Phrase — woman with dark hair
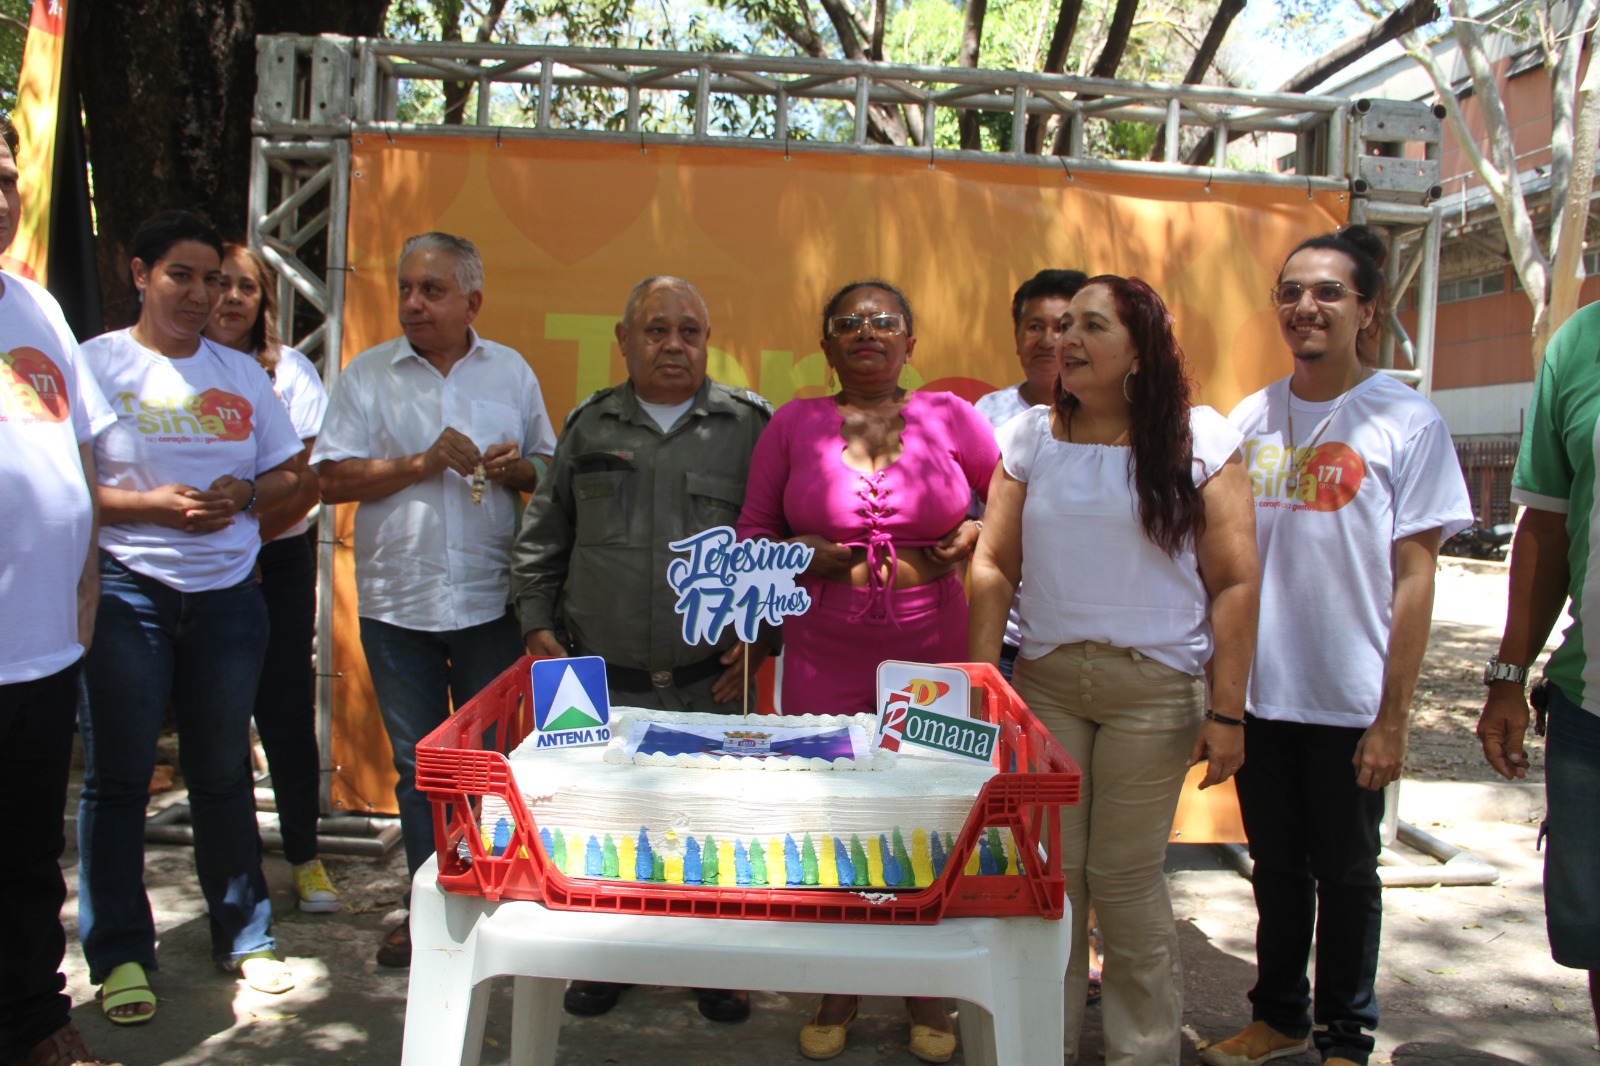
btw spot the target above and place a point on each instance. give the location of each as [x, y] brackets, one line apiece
[1124, 512]
[878, 480]
[285, 711]
[1357, 485]
[199, 445]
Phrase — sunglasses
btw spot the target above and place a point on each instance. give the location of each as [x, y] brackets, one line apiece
[1289, 293]
[880, 323]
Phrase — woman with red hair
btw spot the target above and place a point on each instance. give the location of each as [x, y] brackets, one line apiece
[1124, 512]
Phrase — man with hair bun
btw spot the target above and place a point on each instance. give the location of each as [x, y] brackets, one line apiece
[434, 433]
[1356, 485]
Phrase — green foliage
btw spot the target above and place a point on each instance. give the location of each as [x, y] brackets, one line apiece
[14, 16]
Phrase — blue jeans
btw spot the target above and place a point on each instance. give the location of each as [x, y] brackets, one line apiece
[35, 753]
[201, 653]
[285, 710]
[417, 676]
[1572, 850]
[1314, 837]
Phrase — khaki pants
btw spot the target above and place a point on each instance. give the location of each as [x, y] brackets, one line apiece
[1129, 722]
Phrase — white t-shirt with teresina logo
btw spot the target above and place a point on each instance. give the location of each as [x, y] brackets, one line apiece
[49, 406]
[188, 422]
[1359, 472]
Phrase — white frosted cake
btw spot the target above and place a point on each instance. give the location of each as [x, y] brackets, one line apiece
[876, 820]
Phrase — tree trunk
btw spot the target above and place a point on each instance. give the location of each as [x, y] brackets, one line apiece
[1227, 11]
[1055, 61]
[971, 43]
[177, 134]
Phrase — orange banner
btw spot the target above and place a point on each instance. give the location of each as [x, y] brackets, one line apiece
[567, 228]
[38, 104]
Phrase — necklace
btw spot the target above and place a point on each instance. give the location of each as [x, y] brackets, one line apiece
[1292, 482]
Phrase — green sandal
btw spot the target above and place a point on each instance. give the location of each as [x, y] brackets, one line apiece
[127, 988]
[263, 971]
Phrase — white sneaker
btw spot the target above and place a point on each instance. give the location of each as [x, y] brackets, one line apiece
[316, 892]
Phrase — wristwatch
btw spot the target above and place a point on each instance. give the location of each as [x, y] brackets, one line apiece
[1495, 670]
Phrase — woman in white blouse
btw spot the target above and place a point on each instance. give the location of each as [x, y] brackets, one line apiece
[1125, 513]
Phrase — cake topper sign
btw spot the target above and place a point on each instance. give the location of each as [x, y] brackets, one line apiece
[743, 583]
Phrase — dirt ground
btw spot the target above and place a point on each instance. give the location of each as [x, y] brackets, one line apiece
[1469, 613]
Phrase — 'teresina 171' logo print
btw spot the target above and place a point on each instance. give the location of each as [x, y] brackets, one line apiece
[32, 387]
[212, 415]
[1323, 477]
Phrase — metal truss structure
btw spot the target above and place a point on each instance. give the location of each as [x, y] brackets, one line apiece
[316, 93]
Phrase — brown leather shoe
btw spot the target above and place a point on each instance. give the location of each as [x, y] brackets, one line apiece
[395, 951]
[1258, 1043]
[64, 1047]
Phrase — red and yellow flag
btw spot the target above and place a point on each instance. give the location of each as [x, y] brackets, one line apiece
[38, 105]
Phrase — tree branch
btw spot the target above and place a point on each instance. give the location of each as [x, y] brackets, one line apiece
[971, 43]
[1055, 61]
[1416, 14]
[1116, 40]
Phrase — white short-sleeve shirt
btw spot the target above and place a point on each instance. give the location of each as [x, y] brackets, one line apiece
[1089, 573]
[1361, 471]
[185, 421]
[427, 557]
[49, 406]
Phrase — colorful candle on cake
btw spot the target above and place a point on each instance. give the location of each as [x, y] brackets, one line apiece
[644, 864]
[741, 863]
[593, 861]
[844, 863]
[858, 863]
[997, 849]
[627, 861]
[902, 861]
[558, 853]
[608, 858]
[921, 859]
[828, 862]
[938, 854]
[791, 862]
[691, 862]
[809, 875]
[875, 862]
[711, 863]
[758, 864]
[775, 862]
[672, 859]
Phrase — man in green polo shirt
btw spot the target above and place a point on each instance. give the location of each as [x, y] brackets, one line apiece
[1550, 562]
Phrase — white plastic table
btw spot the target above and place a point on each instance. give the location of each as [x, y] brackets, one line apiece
[1007, 972]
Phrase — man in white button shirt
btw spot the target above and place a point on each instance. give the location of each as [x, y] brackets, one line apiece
[434, 433]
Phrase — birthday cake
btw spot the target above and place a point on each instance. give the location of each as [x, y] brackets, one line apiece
[720, 817]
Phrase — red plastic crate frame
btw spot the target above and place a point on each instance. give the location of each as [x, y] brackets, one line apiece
[456, 770]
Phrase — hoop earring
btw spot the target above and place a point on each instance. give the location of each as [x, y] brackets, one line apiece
[1125, 379]
[827, 381]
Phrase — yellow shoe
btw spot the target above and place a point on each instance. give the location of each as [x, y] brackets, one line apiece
[930, 1044]
[1258, 1043]
[820, 1042]
[316, 893]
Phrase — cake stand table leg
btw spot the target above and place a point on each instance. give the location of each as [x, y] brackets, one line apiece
[1032, 972]
[977, 1036]
[445, 1009]
[535, 1020]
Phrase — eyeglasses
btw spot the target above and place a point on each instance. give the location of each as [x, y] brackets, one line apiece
[880, 323]
[1324, 292]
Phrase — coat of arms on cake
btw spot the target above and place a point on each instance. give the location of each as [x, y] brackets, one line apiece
[719, 741]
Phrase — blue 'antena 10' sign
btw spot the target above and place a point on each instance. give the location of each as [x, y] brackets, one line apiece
[739, 582]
